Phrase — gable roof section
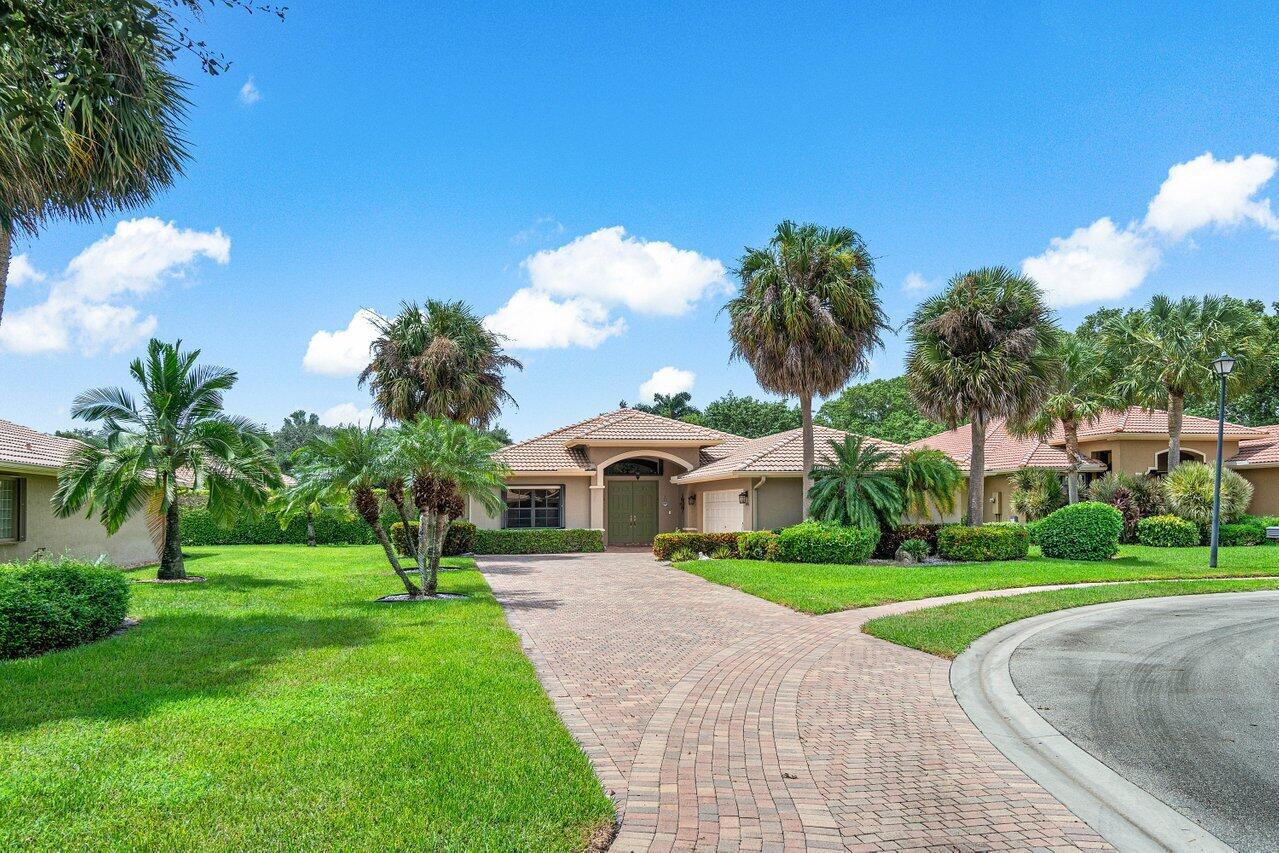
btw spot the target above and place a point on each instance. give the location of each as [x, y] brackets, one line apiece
[780, 453]
[630, 425]
[1138, 421]
[22, 447]
[1258, 451]
[1004, 451]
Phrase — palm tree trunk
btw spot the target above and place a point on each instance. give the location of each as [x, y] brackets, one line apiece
[1071, 428]
[427, 556]
[806, 422]
[172, 566]
[6, 250]
[437, 549]
[366, 507]
[977, 471]
[310, 530]
[408, 528]
[1176, 406]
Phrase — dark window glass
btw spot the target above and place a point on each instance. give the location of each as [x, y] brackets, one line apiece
[635, 468]
[535, 507]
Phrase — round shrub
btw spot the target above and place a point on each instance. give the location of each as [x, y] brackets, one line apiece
[917, 548]
[892, 538]
[822, 542]
[1167, 531]
[55, 605]
[1083, 531]
[1188, 493]
[983, 544]
[757, 545]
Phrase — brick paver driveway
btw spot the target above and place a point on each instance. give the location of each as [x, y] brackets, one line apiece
[719, 721]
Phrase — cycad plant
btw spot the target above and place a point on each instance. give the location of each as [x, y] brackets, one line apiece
[859, 487]
[176, 431]
[928, 480]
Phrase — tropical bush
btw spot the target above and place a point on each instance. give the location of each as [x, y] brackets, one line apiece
[891, 539]
[458, 539]
[1242, 533]
[198, 527]
[983, 544]
[664, 544]
[1188, 488]
[1032, 531]
[822, 542]
[857, 488]
[723, 552]
[757, 545]
[917, 548]
[550, 540]
[1083, 531]
[683, 554]
[1036, 493]
[1167, 531]
[1135, 496]
[55, 605]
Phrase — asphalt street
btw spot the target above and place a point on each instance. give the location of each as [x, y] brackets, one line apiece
[1180, 696]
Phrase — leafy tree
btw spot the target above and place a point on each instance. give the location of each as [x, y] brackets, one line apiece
[749, 417]
[1167, 349]
[857, 488]
[80, 433]
[928, 479]
[807, 317]
[1259, 405]
[298, 428]
[979, 351]
[674, 406]
[498, 434]
[179, 428]
[440, 361]
[882, 408]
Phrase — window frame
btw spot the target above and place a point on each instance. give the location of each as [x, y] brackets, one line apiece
[19, 509]
[1187, 455]
[562, 488]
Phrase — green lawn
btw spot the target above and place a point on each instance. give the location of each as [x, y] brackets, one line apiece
[948, 629]
[278, 707]
[827, 588]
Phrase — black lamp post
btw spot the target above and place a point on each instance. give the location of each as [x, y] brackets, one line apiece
[1221, 366]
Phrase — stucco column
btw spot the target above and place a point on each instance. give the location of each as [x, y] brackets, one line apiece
[597, 508]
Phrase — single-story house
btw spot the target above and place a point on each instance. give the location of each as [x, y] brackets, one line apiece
[29, 463]
[634, 475]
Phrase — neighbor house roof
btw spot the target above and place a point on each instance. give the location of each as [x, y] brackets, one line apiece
[22, 447]
[1144, 422]
[1004, 451]
[780, 453]
[1258, 451]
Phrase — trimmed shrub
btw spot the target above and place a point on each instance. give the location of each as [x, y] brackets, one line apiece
[892, 538]
[55, 605]
[1242, 533]
[1032, 530]
[1136, 496]
[1167, 531]
[757, 545]
[821, 542]
[917, 548]
[198, 528]
[664, 544]
[458, 539]
[983, 544]
[1188, 492]
[541, 540]
[1083, 531]
[683, 554]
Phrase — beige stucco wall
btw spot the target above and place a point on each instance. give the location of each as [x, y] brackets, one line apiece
[1137, 455]
[1265, 495]
[78, 536]
[779, 502]
[577, 500]
[694, 514]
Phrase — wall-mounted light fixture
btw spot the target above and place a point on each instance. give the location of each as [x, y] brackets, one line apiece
[743, 498]
[692, 500]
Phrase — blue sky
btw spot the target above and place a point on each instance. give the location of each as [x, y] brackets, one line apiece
[399, 153]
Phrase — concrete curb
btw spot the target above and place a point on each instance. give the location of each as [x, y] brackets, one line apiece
[1125, 815]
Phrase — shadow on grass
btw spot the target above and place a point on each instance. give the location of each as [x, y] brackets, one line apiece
[165, 659]
[241, 582]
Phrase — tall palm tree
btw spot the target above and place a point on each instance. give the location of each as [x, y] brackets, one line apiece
[440, 361]
[928, 480]
[347, 464]
[1082, 390]
[178, 429]
[448, 462]
[1167, 349]
[807, 317]
[673, 406]
[858, 487]
[979, 351]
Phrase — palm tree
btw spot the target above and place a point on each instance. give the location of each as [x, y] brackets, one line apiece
[928, 479]
[979, 351]
[807, 317]
[346, 464]
[449, 462]
[1081, 392]
[1036, 492]
[178, 430]
[859, 487]
[1168, 347]
[674, 406]
[441, 362]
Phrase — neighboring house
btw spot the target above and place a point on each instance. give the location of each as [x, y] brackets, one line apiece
[634, 475]
[29, 463]
[1258, 461]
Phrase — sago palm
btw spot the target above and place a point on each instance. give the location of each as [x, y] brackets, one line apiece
[859, 487]
[979, 351]
[807, 317]
[177, 430]
[928, 480]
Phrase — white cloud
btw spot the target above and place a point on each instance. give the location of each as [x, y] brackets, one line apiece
[1093, 263]
[86, 303]
[249, 93]
[344, 352]
[533, 320]
[349, 413]
[22, 271]
[916, 283]
[1207, 191]
[667, 380]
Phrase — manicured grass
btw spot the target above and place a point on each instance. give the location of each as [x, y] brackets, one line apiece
[828, 588]
[277, 706]
[948, 629]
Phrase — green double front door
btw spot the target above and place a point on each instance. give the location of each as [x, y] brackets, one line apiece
[632, 512]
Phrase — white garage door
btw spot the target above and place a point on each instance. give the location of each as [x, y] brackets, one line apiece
[721, 512]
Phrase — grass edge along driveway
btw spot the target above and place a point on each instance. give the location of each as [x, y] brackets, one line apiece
[821, 588]
[278, 707]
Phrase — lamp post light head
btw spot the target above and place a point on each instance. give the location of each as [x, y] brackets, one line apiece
[1222, 365]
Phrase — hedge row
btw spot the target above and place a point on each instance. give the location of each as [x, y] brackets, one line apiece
[1167, 531]
[55, 605]
[666, 544]
[983, 544]
[892, 538]
[757, 545]
[199, 528]
[819, 542]
[538, 541]
[458, 539]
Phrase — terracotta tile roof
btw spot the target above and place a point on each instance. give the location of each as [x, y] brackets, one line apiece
[1141, 421]
[27, 448]
[780, 453]
[1259, 451]
[1004, 452]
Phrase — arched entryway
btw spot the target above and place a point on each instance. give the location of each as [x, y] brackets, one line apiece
[635, 504]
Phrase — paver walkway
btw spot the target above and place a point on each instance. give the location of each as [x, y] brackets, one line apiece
[720, 721]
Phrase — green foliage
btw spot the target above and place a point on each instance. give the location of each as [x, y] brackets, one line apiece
[677, 407]
[1083, 531]
[822, 542]
[882, 408]
[298, 428]
[891, 538]
[983, 544]
[917, 548]
[199, 527]
[55, 605]
[1136, 497]
[1032, 530]
[1246, 533]
[857, 488]
[757, 545]
[723, 553]
[749, 417]
[664, 544]
[1167, 531]
[1036, 493]
[538, 541]
[929, 480]
[683, 555]
[459, 538]
[1188, 489]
